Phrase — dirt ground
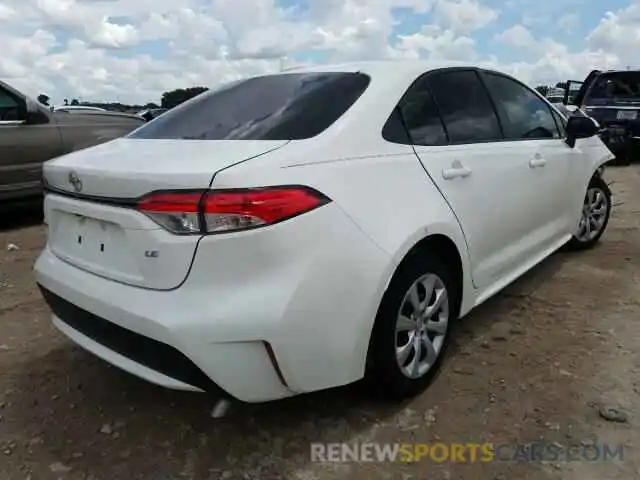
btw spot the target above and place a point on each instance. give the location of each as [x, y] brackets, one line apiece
[538, 362]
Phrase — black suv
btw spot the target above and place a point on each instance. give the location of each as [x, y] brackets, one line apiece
[612, 98]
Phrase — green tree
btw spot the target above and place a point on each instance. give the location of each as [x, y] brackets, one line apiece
[180, 95]
[543, 89]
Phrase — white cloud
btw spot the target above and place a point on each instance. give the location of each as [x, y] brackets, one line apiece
[518, 36]
[464, 16]
[133, 50]
[7, 13]
[439, 44]
[569, 22]
[618, 31]
[532, 19]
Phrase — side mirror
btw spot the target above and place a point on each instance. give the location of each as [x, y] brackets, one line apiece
[32, 113]
[580, 126]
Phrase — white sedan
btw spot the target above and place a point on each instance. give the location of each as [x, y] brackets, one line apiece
[303, 230]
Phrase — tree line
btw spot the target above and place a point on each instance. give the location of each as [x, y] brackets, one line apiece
[168, 100]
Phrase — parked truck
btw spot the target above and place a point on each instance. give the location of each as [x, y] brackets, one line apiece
[31, 133]
[612, 98]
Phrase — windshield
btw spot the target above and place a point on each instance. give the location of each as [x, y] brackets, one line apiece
[290, 106]
[618, 87]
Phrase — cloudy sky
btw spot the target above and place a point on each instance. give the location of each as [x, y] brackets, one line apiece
[133, 50]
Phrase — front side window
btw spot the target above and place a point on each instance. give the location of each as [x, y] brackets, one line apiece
[465, 107]
[9, 107]
[290, 106]
[524, 115]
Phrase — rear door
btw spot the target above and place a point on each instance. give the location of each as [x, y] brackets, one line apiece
[23, 148]
[486, 181]
[528, 121]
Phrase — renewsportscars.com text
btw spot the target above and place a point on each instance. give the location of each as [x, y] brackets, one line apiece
[464, 452]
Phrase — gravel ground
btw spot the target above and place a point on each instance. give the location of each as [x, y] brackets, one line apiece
[538, 362]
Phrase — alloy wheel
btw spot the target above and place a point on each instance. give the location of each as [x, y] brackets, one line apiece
[422, 325]
[594, 214]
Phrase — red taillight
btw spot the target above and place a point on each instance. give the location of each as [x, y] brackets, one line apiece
[178, 212]
[171, 202]
[217, 211]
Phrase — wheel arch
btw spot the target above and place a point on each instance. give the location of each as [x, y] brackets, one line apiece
[450, 247]
[446, 250]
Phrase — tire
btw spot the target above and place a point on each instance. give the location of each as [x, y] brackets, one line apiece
[584, 242]
[384, 376]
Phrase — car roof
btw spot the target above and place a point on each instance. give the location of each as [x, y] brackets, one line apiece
[632, 70]
[389, 81]
[382, 67]
[401, 73]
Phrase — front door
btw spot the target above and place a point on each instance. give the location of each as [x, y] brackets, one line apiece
[24, 148]
[528, 121]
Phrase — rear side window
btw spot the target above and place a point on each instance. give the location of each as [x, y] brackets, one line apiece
[291, 106]
[524, 115]
[464, 105]
[422, 119]
[416, 120]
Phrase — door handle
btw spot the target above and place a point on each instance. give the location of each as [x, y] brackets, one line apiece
[457, 170]
[537, 162]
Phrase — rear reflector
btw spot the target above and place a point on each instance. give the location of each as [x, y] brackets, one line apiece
[220, 211]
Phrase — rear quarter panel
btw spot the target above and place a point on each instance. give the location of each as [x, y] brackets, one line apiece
[388, 196]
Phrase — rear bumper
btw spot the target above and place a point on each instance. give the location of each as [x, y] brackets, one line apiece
[149, 334]
[262, 315]
[157, 362]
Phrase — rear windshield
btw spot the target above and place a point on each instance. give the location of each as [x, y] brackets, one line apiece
[290, 106]
[615, 87]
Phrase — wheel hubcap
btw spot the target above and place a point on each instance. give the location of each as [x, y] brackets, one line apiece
[594, 214]
[422, 325]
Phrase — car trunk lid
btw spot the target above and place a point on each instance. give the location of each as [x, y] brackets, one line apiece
[129, 168]
[92, 195]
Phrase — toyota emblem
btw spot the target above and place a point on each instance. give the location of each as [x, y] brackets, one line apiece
[75, 181]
